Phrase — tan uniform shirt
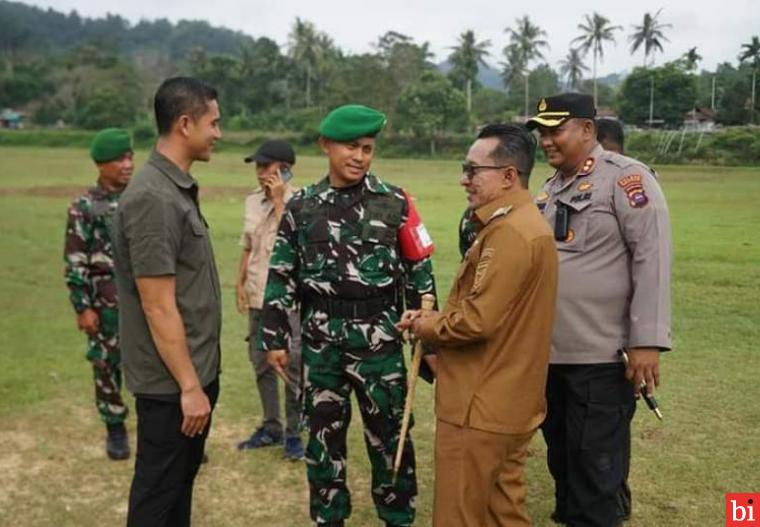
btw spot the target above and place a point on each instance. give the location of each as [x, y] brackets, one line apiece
[259, 234]
[614, 279]
[493, 336]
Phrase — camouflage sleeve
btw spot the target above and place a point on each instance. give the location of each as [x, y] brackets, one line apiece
[280, 293]
[76, 258]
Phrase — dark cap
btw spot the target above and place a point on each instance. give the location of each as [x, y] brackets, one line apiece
[271, 151]
[551, 112]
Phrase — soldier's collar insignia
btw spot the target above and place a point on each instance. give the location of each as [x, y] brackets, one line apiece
[542, 105]
[586, 185]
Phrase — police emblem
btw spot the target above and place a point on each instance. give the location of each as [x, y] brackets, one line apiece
[542, 105]
[583, 187]
[634, 190]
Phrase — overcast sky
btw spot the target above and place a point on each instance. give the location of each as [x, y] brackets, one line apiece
[717, 28]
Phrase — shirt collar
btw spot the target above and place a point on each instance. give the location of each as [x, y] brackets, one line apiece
[372, 183]
[172, 171]
[586, 168]
[502, 205]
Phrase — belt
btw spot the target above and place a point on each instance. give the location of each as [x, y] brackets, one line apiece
[337, 307]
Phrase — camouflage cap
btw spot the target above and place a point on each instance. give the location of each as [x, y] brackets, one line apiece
[555, 110]
[110, 144]
[351, 122]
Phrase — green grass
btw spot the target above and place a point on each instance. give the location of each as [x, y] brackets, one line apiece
[53, 467]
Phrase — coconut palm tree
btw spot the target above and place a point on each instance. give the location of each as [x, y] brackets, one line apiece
[307, 50]
[691, 59]
[572, 68]
[466, 59]
[525, 45]
[751, 54]
[650, 34]
[596, 31]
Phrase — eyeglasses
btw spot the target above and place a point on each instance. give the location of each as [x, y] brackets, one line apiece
[471, 170]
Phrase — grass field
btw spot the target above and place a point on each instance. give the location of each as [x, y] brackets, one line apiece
[53, 469]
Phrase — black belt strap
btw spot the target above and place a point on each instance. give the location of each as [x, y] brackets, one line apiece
[352, 308]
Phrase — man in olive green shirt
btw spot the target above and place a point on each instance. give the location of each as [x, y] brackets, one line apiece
[170, 313]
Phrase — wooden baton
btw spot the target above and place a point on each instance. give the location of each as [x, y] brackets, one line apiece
[428, 302]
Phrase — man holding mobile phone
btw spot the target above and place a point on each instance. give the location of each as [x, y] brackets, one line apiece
[263, 210]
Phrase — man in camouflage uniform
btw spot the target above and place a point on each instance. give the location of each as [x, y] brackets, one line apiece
[338, 254]
[90, 278]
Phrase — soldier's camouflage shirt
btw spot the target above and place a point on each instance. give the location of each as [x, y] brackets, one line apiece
[88, 254]
[341, 243]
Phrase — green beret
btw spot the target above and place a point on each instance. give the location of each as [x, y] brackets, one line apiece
[350, 122]
[110, 144]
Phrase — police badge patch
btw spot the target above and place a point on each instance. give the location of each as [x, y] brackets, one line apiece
[634, 190]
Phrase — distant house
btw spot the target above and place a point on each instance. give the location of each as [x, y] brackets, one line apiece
[699, 120]
[11, 119]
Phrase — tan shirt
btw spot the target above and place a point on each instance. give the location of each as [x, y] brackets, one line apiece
[614, 285]
[494, 334]
[259, 234]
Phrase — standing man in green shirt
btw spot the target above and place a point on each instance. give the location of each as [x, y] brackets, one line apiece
[170, 313]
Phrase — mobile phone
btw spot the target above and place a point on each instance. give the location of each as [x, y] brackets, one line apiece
[285, 174]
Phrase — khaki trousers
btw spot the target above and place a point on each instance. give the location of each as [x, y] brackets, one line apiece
[479, 478]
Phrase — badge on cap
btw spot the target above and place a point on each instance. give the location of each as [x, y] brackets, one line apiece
[542, 105]
[634, 190]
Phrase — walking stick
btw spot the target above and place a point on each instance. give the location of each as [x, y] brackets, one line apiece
[428, 301]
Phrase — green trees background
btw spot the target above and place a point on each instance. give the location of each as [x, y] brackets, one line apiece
[89, 73]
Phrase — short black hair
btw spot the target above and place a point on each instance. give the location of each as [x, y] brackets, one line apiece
[610, 130]
[516, 145]
[181, 96]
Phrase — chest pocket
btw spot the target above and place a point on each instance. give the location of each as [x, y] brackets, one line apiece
[378, 262]
[382, 217]
[314, 238]
[579, 230]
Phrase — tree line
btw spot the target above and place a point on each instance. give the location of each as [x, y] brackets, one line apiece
[92, 73]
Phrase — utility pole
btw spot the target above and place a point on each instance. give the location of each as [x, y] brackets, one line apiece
[712, 97]
[651, 100]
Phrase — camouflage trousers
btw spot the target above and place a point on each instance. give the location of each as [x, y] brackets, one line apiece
[103, 353]
[378, 378]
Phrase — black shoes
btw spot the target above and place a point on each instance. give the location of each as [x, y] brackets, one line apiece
[117, 445]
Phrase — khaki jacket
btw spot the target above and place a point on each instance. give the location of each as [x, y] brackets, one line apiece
[494, 334]
[259, 234]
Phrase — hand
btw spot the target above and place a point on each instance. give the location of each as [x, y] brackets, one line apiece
[407, 318]
[242, 299]
[643, 366]
[417, 322]
[275, 187]
[88, 321]
[196, 411]
[278, 359]
[432, 362]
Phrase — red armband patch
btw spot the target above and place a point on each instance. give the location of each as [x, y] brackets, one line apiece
[413, 237]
